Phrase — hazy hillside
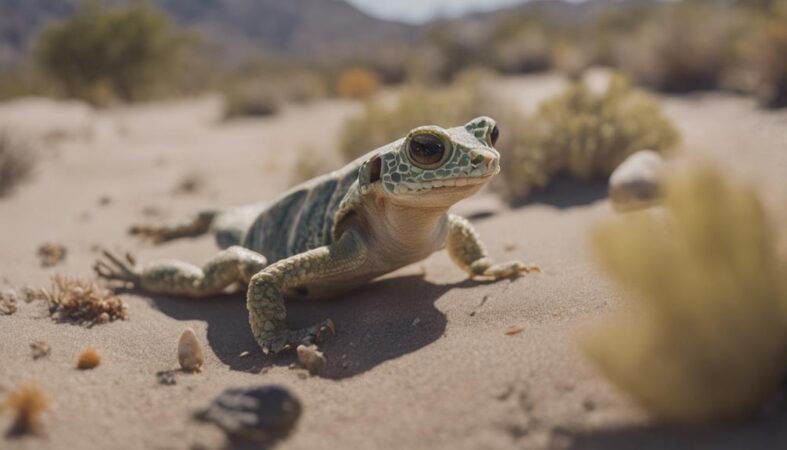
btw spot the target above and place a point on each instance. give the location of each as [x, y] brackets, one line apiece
[322, 28]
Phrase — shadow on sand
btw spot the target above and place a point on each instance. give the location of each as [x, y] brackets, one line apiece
[374, 324]
[567, 192]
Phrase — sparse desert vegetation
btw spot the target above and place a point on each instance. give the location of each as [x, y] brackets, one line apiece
[705, 335]
[80, 301]
[106, 54]
[582, 133]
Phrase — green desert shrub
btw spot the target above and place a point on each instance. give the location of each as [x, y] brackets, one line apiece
[705, 336]
[582, 133]
[99, 54]
[16, 162]
[687, 45]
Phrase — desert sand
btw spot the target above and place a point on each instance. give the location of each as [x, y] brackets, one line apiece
[421, 358]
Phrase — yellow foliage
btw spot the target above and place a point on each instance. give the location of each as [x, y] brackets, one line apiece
[27, 404]
[358, 83]
[707, 338]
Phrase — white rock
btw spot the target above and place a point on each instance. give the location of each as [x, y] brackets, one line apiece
[636, 183]
[311, 358]
[190, 353]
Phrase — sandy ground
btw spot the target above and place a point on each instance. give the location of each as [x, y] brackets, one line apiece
[420, 359]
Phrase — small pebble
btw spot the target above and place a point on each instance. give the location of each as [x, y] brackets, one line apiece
[7, 302]
[636, 182]
[245, 354]
[51, 254]
[311, 358]
[40, 349]
[514, 329]
[166, 377]
[88, 359]
[190, 355]
[262, 414]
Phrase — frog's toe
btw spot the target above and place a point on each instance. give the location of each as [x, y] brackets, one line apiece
[112, 267]
[288, 340]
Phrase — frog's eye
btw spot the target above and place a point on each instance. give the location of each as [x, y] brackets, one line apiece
[426, 150]
[494, 135]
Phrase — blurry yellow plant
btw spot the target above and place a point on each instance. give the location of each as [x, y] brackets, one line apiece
[707, 338]
[358, 83]
[585, 134]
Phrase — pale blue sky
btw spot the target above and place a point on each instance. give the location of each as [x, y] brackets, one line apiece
[422, 10]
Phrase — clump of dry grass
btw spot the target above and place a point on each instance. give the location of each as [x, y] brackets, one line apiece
[357, 82]
[16, 162]
[583, 133]
[707, 338]
[79, 300]
[88, 359]
[51, 254]
[27, 404]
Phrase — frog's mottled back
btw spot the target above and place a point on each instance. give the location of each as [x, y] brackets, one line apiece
[301, 219]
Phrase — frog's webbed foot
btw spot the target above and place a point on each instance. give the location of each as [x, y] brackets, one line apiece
[287, 340]
[113, 267]
[510, 269]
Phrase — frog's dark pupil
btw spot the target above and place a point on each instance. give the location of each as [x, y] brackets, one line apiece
[426, 149]
[494, 135]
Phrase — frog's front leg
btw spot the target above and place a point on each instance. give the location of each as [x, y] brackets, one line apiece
[469, 253]
[265, 296]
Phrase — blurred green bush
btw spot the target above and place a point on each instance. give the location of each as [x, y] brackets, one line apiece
[706, 334]
[103, 54]
[582, 133]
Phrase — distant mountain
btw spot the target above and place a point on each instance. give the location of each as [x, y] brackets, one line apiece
[233, 28]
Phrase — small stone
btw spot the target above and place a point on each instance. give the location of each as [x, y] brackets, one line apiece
[88, 359]
[514, 329]
[311, 358]
[7, 302]
[40, 349]
[190, 355]
[102, 318]
[166, 377]
[636, 183]
[51, 254]
[245, 354]
[262, 414]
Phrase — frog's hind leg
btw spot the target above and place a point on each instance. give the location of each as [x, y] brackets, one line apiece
[229, 225]
[192, 226]
[232, 265]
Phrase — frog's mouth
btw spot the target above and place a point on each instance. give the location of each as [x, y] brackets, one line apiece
[446, 184]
